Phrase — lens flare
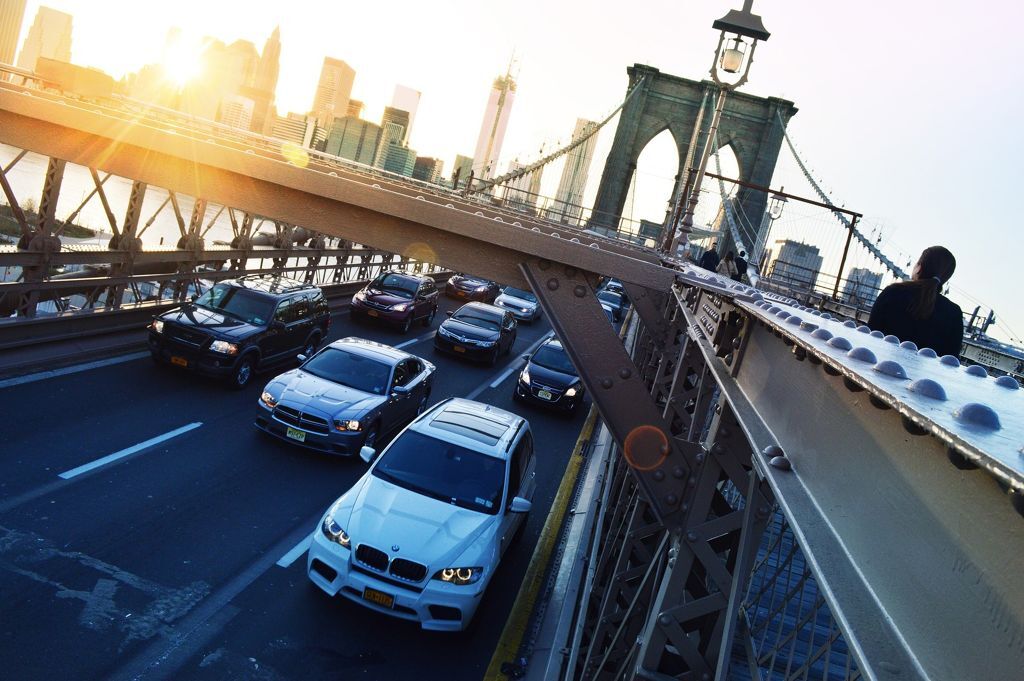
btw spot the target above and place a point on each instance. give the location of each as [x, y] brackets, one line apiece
[646, 448]
[295, 154]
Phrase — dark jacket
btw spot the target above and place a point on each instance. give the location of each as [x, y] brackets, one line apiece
[709, 260]
[943, 331]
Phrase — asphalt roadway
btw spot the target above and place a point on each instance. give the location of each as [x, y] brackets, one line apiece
[185, 558]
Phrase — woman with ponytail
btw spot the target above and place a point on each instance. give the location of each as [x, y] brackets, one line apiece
[917, 311]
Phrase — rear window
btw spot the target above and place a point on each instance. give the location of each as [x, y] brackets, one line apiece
[470, 425]
[395, 283]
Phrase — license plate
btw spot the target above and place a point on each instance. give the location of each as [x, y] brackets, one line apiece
[379, 597]
[544, 394]
[180, 361]
[296, 434]
[462, 293]
[373, 313]
[458, 348]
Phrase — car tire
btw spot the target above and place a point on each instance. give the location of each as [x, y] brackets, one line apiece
[406, 325]
[243, 373]
[493, 359]
[429, 319]
[312, 343]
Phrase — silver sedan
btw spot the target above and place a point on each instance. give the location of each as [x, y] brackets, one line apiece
[522, 304]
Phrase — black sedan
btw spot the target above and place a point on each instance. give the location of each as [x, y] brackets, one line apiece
[468, 287]
[477, 331]
[550, 379]
[616, 303]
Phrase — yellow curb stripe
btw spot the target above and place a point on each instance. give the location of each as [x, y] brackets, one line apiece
[519, 619]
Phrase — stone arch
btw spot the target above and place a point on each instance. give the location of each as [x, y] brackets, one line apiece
[750, 124]
[655, 153]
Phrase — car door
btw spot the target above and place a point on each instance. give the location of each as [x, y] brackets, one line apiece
[302, 325]
[400, 404]
[417, 384]
[508, 330]
[276, 340]
[422, 304]
[509, 520]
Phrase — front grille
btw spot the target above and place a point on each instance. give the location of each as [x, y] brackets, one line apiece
[371, 557]
[537, 387]
[407, 569]
[375, 305]
[195, 339]
[299, 419]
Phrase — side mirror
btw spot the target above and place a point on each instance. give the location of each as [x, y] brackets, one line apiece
[277, 324]
[301, 357]
[367, 454]
[400, 390]
[193, 297]
[520, 505]
[526, 357]
[450, 312]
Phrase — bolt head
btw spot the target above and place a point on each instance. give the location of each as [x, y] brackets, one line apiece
[678, 472]
[606, 383]
[659, 475]
[579, 290]
[553, 284]
[625, 373]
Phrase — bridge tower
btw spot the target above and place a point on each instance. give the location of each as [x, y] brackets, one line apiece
[749, 126]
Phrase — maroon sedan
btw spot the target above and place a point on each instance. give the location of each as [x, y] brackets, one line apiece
[468, 287]
[397, 299]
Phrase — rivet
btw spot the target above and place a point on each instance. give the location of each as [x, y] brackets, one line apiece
[891, 368]
[862, 354]
[891, 339]
[678, 472]
[977, 370]
[728, 359]
[684, 506]
[553, 284]
[692, 481]
[909, 345]
[912, 427]
[762, 511]
[850, 324]
[625, 373]
[782, 314]
[959, 460]
[927, 352]
[877, 334]
[840, 343]
[664, 449]
[949, 361]
[852, 385]
[664, 620]
[691, 536]
[877, 403]
[799, 353]
[781, 462]
[700, 457]
[659, 475]
[977, 415]
[771, 451]
[794, 320]
[808, 326]
[736, 343]
[831, 370]
[1007, 382]
[671, 499]
[579, 290]
[822, 334]
[606, 383]
[929, 388]
[773, 309]
[864, 328]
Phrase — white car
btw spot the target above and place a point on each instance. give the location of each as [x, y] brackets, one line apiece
[421, 534]
[522, 304]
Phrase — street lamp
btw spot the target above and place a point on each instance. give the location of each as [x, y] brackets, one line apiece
[731, 57]
[776, 204]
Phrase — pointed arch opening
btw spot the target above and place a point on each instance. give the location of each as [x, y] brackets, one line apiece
[649, 198]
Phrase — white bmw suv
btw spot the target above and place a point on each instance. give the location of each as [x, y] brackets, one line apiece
[420, 535]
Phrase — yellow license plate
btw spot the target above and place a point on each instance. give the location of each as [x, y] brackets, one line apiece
[180, 361]
[373, 313]
[544, 394]
[379, 597]
[296, 434]
[458, 348]
[461, 293]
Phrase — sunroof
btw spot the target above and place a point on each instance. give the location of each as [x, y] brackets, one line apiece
[471, 425]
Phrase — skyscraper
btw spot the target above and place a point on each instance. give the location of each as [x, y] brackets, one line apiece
[50, 36]
[399, 117]
[11, 14]
[569, 197]
[796, 264]
[862, 286]
[333, 91]
[265, 86]
[492, 130]
[460, 170]
[522, 192]
[428, 169]
[354, 139]
[406, 99]
[355, 108]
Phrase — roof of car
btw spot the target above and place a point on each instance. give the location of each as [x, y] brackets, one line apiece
[552, 343]
[484, 307]
[406, 275]
[480, 426]
[268, 283]
[371, 348]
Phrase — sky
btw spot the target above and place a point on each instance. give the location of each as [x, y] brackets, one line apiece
[909, 113]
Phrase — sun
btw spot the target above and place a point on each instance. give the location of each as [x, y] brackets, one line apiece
[181, 63]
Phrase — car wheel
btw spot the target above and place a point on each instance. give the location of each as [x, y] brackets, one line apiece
[311, 345]
[429, 319]
[371, 436]
[493, 359]
[406, 324]
[243, 373]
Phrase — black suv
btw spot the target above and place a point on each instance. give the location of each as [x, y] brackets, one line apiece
[241, 326]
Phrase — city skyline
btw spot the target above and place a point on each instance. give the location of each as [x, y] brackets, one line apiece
[892, 166]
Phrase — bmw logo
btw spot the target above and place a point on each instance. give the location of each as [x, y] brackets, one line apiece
[395, 547]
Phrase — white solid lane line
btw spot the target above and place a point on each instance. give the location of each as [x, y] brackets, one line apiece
[515, 365]
[74, 369]
[296, 552]
[85, 468]
[413, 341]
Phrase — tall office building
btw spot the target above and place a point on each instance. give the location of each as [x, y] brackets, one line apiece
[406, 99]
[353, 138]
[333, 91]
[569, 197]
[492, 130]
[522, 193]
[428, 169]
[796, 264]
[399, 117]
[11, 14]
[265, 86]
[355, 108]
[295, 128]
[236, 112]
[862, 286]
[460, 171]
[49, 36]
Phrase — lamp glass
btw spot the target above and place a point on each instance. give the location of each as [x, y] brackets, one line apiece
[732, 60]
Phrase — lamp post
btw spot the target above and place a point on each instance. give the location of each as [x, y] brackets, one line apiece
[776, 204]
[732, 57]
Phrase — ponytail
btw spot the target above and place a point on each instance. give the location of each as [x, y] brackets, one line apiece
[934, 268]
[925, 293]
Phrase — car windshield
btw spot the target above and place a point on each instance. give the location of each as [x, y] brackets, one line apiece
[477, 318]
[250, 307]
[351, 370]
[444, 471]
[392, 283]
[609, 297]
[520, 293]
[554, 358]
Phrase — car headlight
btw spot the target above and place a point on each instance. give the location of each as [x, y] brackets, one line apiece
[333, 531]
[571, 392]
[157, 326]
[481, 288]
[460, 576]
[525, 376]
[524, 309]
[401, 307]
[269, 399]
[360, 296]
[346, 425]
[486, 343]
[224, 347]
